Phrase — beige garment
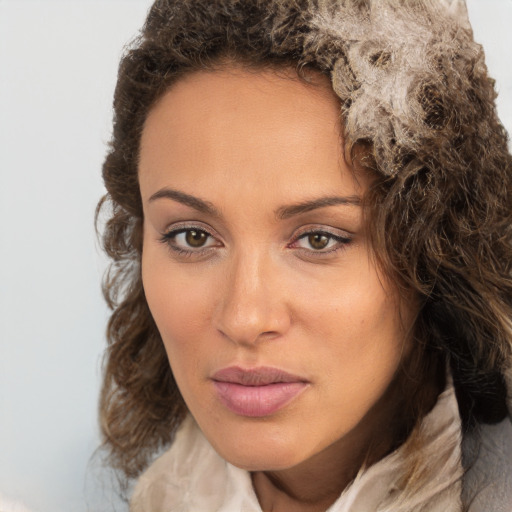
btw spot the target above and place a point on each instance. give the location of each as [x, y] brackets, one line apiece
[192, 477]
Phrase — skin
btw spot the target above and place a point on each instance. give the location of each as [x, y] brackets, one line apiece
[260, 291]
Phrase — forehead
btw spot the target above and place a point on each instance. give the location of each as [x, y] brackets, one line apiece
[244, 127]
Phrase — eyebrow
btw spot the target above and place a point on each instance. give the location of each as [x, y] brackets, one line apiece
[194, 202]
[284, 212]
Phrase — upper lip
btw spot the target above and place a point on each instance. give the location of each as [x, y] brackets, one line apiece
[260, 376]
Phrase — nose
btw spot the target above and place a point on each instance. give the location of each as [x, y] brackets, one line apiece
[253, 305]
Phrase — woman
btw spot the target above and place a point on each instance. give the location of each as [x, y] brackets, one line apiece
[311, 244]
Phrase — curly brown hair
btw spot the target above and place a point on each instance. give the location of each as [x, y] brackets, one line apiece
[418, 111]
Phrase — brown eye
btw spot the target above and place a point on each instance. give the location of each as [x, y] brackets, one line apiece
[195, 238]
[318, 241]
[189, 241]
[321, 242]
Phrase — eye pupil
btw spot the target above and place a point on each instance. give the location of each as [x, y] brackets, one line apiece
[196, 238]
[318, 241]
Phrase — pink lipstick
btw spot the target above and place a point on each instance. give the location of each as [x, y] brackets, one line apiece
[256, 392]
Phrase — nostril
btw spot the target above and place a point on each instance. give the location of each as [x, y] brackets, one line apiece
[269, 334]
[251, 329]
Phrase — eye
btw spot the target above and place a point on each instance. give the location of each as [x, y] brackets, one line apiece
[317, 241]
[194, 238]
[189, 240]
[320, 241]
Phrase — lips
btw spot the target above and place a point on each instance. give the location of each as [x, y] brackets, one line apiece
[257, 392]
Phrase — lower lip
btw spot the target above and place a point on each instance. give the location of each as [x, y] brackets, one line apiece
[257, 401]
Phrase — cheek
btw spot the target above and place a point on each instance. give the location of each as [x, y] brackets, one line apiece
[179, 301]
[352, 306]
[358, 333]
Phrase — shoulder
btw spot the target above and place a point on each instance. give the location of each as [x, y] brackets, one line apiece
[487, 459]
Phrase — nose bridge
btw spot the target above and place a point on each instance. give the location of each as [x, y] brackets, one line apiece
[251, 304]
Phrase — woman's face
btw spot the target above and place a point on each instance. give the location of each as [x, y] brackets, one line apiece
[280, 331]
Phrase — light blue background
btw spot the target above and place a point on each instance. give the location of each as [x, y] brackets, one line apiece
[58, 62]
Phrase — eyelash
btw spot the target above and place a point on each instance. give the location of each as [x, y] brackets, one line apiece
[340, 242]
[169, 240]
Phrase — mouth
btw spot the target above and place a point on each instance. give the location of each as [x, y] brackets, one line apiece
[257, 392]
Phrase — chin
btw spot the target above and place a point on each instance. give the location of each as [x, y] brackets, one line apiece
[260, 452]
[273, 461]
